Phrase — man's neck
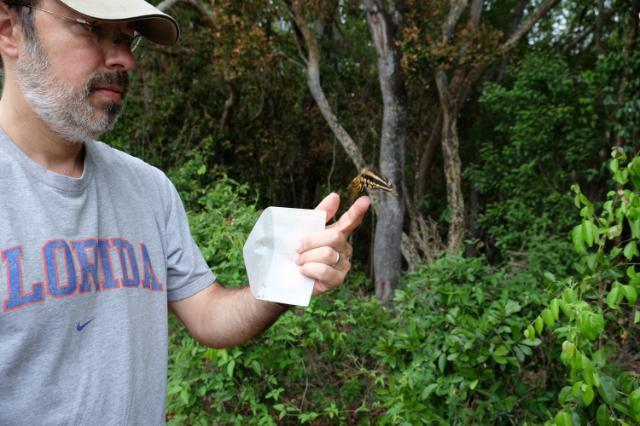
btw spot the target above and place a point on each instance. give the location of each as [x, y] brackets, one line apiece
[34, 137]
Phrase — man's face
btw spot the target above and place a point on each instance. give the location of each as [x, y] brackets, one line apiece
[73, 81]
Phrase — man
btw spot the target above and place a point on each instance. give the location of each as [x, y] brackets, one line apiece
[94, 244]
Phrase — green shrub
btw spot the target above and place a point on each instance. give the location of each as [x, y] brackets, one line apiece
[454, 352]
[313, 365]
[594, 314]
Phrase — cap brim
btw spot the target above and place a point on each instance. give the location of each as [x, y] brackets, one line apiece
[150, 21]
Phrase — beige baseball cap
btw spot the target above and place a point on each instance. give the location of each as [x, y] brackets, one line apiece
[150, 21]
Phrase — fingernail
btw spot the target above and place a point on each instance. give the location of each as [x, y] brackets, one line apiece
[296, 258]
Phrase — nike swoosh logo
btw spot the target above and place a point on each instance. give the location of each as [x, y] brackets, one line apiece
[81, 327]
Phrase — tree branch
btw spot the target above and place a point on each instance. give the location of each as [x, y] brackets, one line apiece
[204, 14]
[527, 25]
[457, 7]
[475, 13]
[313, 81]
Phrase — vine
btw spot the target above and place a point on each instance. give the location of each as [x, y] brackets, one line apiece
[593, 315]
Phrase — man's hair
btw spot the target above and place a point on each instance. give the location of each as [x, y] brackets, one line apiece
[26, 20]
[25, 15]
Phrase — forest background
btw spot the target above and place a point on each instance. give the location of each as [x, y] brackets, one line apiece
[500, 287]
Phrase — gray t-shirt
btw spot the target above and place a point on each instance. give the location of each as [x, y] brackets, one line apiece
[87, 267]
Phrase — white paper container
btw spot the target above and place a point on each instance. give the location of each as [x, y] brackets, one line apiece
[269, 252]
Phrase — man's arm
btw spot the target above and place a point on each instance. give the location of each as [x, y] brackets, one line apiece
[222, 317]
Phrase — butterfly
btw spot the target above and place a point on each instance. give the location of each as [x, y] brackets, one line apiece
[370, 178]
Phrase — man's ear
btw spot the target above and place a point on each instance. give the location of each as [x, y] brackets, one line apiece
[10, 33]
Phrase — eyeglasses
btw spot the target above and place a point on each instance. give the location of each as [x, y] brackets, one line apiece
[100, 32]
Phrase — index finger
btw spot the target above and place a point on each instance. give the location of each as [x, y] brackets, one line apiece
[353, 217]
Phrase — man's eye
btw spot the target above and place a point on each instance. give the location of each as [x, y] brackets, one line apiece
[90, 28]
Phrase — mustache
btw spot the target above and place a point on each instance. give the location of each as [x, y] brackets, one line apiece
[108, 78]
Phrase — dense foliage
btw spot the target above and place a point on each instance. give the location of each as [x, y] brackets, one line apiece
[536, 323]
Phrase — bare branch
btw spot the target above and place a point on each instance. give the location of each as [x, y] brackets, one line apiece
[457, 7]
[167, 4]
[315, 86]
[475, 13]
[528, 24]
[203, 13]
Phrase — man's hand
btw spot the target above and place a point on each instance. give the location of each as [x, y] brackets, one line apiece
[223, 317]
[326, 256]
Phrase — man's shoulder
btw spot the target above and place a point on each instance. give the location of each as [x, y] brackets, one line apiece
[116, 162]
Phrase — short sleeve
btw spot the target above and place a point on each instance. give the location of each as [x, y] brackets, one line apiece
[187, 271]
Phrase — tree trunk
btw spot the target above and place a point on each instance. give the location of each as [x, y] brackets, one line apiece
[426, 159]
[304, 36]
[384, 25]
[452, 164]
[452, 97]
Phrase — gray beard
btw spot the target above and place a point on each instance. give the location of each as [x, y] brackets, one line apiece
[66, 110]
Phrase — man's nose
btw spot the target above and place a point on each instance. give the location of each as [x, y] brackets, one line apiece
[119, 57]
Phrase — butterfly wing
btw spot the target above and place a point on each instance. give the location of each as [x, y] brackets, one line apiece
[372, 179]
[355, 187]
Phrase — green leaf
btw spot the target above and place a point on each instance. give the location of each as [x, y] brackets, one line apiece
[587, 394]
[575, 418]
[607, 389]
[587, 370]
[184, 396]
[585, 326]
[634, 225]
[630, 294]
[563, 419]
[501, 350]
[256, 367]
[564, 395]
[614, 253]
[539, 324]
[636, 317]
[614, 232]
[442, 362]
[547, 317]
[569, 295]
[614, 297]
[230, 367]
[634, 278]
[512, 307]
[530, 332]
[614, 165]
[567, 309]
[499, 354]
[588, 231]
[630, 250]
[597, 323]
[578, 239]
[428, 391]
[555, 309]
[602, 416]
[634, 404]
[568, 349]
[473, 384]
